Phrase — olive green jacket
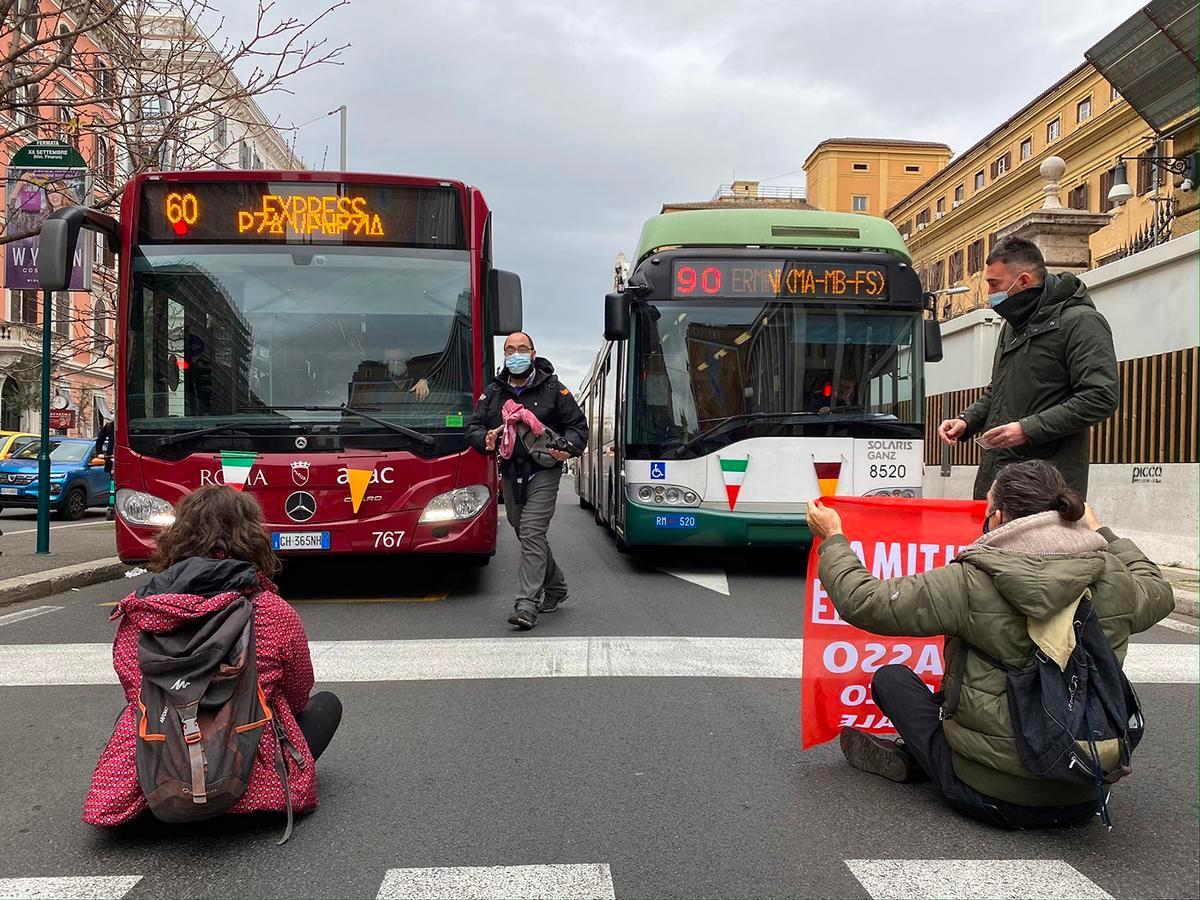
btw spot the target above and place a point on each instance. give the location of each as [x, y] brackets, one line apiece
[1011, 581]
[1057, 376]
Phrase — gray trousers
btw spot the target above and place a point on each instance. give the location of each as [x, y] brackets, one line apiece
[531, 521]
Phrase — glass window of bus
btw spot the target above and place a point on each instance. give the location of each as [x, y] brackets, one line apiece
[695, 366]
[227, 331]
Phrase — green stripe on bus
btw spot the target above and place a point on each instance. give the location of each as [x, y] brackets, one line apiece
[734, 465]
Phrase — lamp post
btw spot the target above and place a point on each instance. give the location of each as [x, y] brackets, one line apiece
[341, 111]
[43, 519]
[1184, 166]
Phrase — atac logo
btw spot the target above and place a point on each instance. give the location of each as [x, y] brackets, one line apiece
[378, 476]
[300, 469]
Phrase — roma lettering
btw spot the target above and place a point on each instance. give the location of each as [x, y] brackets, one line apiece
[257, 477]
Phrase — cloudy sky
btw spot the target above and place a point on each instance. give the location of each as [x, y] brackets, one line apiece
[578, 120]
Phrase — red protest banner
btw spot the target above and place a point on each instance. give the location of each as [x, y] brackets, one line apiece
[893, 538]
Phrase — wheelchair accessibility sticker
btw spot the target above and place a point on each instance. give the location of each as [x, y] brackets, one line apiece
[658, 471]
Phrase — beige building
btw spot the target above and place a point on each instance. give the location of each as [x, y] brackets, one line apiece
[950, 220]
[869, 175]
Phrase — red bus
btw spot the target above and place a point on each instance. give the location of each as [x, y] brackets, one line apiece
[316, 339]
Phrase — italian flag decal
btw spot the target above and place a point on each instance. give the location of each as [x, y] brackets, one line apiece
[733, 473]
[827, 476]
[235, 467]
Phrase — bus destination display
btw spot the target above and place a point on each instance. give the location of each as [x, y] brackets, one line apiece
[309, 212]
[788, 279]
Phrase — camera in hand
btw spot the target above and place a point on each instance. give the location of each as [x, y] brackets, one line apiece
[561, 444]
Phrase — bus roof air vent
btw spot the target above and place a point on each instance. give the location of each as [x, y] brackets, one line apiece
[813, 231]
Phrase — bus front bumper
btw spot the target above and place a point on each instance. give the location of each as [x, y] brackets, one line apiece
[678, 527]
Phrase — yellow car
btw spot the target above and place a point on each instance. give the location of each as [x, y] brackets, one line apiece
[12, 441]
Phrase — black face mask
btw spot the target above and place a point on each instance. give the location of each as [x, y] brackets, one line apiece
[987, 521]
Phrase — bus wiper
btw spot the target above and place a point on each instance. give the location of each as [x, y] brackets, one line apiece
[738, 419]
[184, 436]
[420, 437]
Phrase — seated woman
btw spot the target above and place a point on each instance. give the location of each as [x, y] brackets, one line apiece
[216, 553]
[1035, 559]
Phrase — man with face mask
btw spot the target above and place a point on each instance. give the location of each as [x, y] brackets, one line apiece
[530, 489]
[1054, 375]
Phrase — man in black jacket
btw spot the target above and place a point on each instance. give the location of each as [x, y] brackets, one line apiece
[530, 488]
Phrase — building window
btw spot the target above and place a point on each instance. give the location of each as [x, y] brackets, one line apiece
[62, 314]
[1026, 148]
[1106, 183]
[956, 267]
[979, 181]
[1053, 130]
[1001, 165]
[1083, 110]
[913, 170]
[1078, 197]
[23, 307]
[938, 276]
[960, 193]
[861, 167]
[906, 229]
[941, 206]
[99, 327]
[243, 155]
[991, 242]
[27, 10]
[858, 203]
[64, 31]
[68, 127]
[1114, 95]
[975, 257]
[257, 161]
[922, 218]
[1145, 172]
[220, 131]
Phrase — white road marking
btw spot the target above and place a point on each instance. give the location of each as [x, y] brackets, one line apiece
[24, 614]
[1176, 625]
[56, 527]
[529, 657]
[915, 879]
[96, 887]
[577, 882]
[711, 579]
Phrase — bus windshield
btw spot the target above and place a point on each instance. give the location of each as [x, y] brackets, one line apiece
[224, 332]
[772, 367]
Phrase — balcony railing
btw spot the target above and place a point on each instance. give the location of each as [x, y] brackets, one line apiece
[758, 192]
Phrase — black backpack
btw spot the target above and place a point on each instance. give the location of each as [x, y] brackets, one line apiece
[1081, 724]
[201, 715]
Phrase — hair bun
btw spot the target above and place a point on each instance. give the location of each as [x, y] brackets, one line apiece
[1069, 505]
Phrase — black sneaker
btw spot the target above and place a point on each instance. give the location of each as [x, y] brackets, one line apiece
[879, 756]
[550, 604]
[524, 615]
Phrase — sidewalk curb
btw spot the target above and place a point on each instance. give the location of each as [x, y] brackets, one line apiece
[54, 581]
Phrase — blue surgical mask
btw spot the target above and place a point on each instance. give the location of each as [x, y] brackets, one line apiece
[999, 297]
[518, 363]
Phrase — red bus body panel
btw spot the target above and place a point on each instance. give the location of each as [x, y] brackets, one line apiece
[403, 482]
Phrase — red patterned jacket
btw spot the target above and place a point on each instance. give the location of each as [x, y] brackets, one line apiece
[284, 671]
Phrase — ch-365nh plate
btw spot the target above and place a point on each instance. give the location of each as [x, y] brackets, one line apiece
[300, 540]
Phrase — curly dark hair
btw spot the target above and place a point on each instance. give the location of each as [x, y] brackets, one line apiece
[1035, 486]
[217, 522]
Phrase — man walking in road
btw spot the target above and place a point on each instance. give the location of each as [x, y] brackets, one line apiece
[1054, 375]
[527, 385]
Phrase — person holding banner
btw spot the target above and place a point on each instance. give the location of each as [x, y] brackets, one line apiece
[1041, 549]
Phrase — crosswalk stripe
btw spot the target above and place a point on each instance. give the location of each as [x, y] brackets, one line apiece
[579, 882]
[577, 657]
[24, 614]
[88, 887]
[966, 879]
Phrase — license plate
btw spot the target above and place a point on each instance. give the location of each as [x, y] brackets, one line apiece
[675, 520]
[300, 540]
[10, 492]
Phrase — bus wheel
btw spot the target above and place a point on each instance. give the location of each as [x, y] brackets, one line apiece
[583, 504]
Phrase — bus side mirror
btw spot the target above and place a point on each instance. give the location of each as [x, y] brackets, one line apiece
[504, 293]
[933, 341]
[616, 317]
[56, 247]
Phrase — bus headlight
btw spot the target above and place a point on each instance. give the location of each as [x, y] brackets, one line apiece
[646, 493]
[663, 494]
[456, 505]
[138, 508]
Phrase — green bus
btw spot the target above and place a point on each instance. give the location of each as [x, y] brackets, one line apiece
[755, 359]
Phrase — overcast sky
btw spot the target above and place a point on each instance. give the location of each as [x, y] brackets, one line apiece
[578, 120]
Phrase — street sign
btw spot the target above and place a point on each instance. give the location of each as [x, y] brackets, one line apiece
[42, 177]
[62, 418]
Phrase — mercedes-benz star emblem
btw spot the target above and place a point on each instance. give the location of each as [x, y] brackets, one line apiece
[301, 442]
[300, 506]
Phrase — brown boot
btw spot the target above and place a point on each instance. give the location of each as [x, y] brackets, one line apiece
[879, 756]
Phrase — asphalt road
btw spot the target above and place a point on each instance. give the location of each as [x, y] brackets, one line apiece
[628, 786]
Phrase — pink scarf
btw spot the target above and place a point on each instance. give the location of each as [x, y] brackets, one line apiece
[514, 414]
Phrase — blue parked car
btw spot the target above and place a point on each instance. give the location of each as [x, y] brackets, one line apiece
[77, 477]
